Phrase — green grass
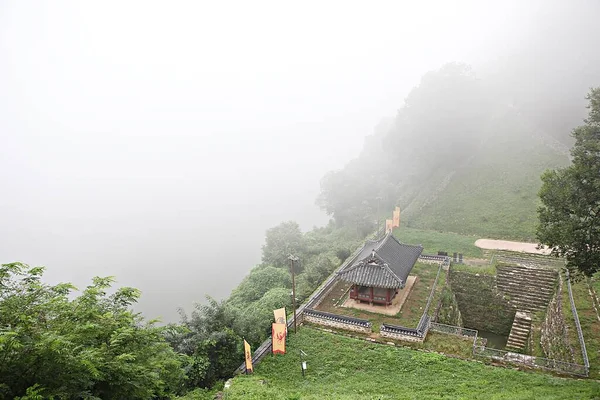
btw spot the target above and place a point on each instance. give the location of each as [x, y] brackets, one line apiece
[474, 269]
[344, 368]
[434, 241]
[590, 326]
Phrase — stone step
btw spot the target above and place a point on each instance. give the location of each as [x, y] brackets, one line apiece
[521, 326]
[528, 267]
[523, 333]
[525, 297]
[522, 279]
[532, 298]
[529, 282]
[519, 331]
[549, 270]
[526, 277]
[515, 282]
[525, 291]
[516, 342]
[526, 272]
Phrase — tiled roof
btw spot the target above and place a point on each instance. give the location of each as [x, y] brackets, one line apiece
[385, 263]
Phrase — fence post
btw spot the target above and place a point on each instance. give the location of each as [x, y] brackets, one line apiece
[586, 362]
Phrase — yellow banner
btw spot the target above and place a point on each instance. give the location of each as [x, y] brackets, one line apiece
[389, 225]
[248, 355]
[278, 334]
[396, 219]
[280, 317]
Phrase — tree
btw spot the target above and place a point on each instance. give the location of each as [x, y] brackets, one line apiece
[207, 337]
[280, 241]
[92, 346]
[257, 283]
[570, 213]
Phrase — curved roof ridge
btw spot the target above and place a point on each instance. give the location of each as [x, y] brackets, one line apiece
[387, 267]
[384, 240]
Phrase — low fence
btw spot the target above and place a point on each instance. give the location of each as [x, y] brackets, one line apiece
[337, 321]
[430, 258]
[531, 361]
[510, 357]
[454, 330]
[586, 362]
[445, 261]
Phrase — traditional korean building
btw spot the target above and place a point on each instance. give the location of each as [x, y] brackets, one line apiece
[381, 270]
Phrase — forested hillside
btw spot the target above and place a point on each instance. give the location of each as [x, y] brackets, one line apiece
[457, 157]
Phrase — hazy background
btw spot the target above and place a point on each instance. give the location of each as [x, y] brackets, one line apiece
[157, 141]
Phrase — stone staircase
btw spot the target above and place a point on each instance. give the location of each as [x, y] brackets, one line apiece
[527, 288]
[519, 333]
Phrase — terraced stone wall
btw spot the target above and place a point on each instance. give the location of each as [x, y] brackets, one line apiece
[480, 303]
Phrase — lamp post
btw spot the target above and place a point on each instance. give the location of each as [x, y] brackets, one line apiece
[292, 259]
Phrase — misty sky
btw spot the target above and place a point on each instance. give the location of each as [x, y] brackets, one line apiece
[157, 141]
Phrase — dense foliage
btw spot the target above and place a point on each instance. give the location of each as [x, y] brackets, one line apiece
[92, 346]
[570, 211]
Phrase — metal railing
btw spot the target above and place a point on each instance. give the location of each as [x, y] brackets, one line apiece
[437, 277]
[586, 362]
[453, 330]
[531, 361]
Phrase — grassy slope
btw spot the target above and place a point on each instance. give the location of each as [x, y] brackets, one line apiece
[590, 325]
[495, 194]
[345, 368]
[434, 241]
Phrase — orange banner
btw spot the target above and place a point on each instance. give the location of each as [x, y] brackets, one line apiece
[278, 334]
[396, 219]
[248, 355]
[389, 225]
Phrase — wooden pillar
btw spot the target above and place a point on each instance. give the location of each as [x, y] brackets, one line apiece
[387, 296]
[371, 294]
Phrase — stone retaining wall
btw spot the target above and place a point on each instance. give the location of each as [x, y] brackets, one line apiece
[337, 321]
[400, 336]
[554, 338]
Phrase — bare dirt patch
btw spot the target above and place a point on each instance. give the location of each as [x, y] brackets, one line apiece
[491, 244]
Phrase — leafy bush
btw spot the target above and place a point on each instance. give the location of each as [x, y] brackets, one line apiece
[91, 346]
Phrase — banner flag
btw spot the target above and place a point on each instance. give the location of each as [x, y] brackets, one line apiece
[248, 355]
[396, 217]
[278, 335]
[280, 317]
[389, 225]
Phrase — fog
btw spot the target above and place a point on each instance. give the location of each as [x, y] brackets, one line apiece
[157, 141]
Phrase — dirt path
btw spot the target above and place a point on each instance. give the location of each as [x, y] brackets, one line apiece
[491, 244]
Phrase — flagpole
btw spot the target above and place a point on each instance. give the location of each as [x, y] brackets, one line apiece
[292, 259]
